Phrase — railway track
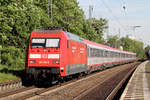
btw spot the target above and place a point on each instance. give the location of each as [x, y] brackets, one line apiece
[27, 92]
[113, 94]
[61, 91]
[7, 86]
[111, 89]
[2, 95]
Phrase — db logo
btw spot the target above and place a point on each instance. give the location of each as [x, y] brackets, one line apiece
[44, 55]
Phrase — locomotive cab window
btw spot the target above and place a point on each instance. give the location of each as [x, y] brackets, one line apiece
[45, 43]
[52, 43]
[37, 43]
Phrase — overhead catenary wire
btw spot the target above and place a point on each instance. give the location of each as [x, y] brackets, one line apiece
[114, 17]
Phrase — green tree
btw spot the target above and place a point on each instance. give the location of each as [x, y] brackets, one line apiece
[133, 46]
[147, 48]
[99, 27]
[113, 41]
[19, 17]
[17, 20]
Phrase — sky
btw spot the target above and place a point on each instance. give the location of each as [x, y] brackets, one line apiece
[120, 20]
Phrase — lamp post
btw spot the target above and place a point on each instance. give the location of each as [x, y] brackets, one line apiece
[50, 13]
[135, 27]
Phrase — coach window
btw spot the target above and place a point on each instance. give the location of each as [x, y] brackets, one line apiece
[88, 49]
[97, 53]
[109, 53]
[91, 52]
[119, 55]
[94, 52]
[112, 54]
[106, 53]
[101, 53]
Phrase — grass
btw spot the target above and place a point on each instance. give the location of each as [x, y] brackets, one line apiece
[7, 77]
[6, 74]
[148, 73]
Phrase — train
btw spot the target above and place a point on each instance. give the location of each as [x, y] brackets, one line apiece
[148, 55]
[53, 55]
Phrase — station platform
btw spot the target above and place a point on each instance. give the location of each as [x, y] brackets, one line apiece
[137, 87]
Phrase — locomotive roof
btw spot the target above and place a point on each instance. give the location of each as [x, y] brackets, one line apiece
[71, 36]
[49, 29]
[46, 31]
[74, 37]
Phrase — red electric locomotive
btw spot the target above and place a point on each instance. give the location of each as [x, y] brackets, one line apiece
[54, 54]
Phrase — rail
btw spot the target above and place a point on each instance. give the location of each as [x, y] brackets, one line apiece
[114, 92]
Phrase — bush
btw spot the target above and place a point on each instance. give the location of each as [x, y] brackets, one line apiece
[13, 57]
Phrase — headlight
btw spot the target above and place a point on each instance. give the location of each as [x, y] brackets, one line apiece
[55, 61]
[32, 61]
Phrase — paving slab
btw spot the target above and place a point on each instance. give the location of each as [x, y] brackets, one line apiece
[137, 87]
